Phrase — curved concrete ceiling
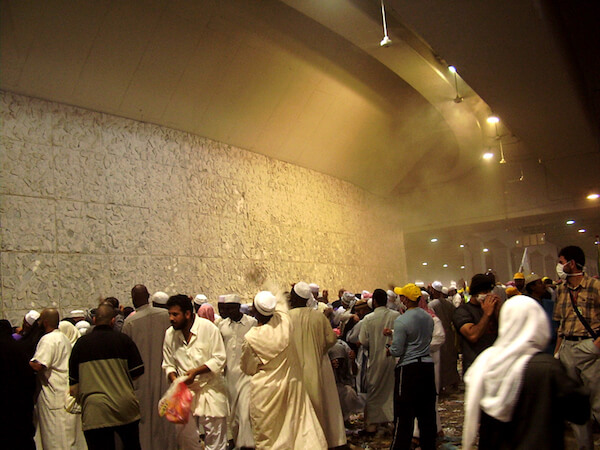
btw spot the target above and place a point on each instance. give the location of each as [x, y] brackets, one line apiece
[296, 85]
[305, 81]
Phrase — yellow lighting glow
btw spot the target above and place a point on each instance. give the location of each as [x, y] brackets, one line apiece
[493, 119]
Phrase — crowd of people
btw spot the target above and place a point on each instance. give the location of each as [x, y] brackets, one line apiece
[288, 370]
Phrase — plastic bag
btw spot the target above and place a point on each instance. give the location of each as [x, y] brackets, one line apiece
[176, 404]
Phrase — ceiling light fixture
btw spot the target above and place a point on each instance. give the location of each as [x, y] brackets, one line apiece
[570, 222]
[462, 245]
[424, 263]
[488, 155]
[582, 230]
[593, 196]
[462, 267]
[386, 41]
[458, 98]
[494, 120]
[485, 250]
[445, 265]
[434, 239]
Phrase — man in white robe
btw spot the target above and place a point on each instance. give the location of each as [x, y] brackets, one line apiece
[51, 362]
[233, 328]
[313, 336]
[380, 369]
[147, 329]
[280, 409]
[194, 347]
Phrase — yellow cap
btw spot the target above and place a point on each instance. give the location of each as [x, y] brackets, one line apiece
[519, 276]
[411, 291]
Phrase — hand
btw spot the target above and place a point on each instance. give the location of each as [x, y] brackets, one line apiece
[355, 318]
[387, 332]
[351, 355]
[489, 304]
[387, 351]
[335, 363]
[191, 374]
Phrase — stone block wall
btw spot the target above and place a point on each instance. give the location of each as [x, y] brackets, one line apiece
[91, 204]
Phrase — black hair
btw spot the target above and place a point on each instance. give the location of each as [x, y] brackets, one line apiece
[379, 297]
[114, 301]
[572, 252]
[181, 300]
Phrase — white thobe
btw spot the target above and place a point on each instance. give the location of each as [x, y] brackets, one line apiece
[281, 412]
[147, 329]
[313, 336]
[238, 383]
[380, 369]
[208, 390]
[53, 351]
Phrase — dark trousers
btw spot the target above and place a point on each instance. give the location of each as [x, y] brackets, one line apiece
[104, 438]
[414, 397]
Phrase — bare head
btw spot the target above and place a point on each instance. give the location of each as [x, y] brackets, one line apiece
[49, 319]
[139, 295]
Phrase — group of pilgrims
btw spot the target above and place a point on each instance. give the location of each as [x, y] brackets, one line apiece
[284, 370]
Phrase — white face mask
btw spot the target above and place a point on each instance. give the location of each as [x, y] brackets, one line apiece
[560, 271]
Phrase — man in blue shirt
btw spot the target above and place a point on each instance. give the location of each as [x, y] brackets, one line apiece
[414, 395]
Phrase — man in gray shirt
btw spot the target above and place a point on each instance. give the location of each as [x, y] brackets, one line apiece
[415, 393]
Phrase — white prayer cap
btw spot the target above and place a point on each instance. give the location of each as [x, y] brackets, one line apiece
[437, 285]
[314, 288]
[426, 295]
[32, 316]
[364, 294]
[230, 298]
[452, 285]
[83, 326]
[265, 303]
[391, 294]
[445, 290]
[160, 298]
[77, 313]
[200, 299]
[302, 289]
[370, 303]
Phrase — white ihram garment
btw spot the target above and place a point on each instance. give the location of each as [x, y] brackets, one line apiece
[238, 383]
[53, 351]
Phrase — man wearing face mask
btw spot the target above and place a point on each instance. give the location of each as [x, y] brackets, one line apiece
[578, 342]
[477, 321]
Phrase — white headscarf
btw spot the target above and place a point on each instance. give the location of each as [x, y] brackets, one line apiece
[69, 330]
[493, 382]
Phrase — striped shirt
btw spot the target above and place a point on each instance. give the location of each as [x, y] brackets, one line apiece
[587, 298]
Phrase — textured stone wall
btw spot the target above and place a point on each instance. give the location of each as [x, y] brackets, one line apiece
[91, 204]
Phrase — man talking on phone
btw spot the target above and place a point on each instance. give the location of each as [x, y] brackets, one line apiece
[477, 320]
